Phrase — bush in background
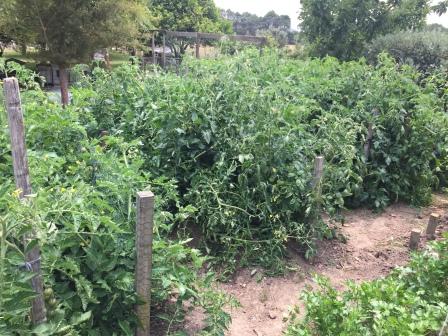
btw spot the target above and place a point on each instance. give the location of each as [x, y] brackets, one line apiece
[425, 50]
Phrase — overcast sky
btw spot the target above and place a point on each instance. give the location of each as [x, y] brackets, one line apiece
[288, 7]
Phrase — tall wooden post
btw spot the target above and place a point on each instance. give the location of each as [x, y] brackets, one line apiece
[163, 52]
[368, 144]
[316, 184]
[22, 178]
[318, 171]
[153, 46]
[197, 46]
[145, 215]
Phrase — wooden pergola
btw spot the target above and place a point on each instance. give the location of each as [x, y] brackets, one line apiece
[198, 37]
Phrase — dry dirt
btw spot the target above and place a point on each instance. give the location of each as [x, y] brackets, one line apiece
[375, 244]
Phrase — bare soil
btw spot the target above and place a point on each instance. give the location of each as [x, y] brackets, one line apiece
[374, 244]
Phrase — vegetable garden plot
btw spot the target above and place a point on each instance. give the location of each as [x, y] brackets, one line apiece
[229, 147]
[240, 136]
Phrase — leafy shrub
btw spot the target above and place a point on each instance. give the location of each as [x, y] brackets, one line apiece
[425, 50]
[240, 136]
[413, 300]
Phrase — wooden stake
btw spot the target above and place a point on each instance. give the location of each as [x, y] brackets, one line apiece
[22, 178]
[145, 215]
[153, 46]
[163, 51]
[415, 239]
[432, 226]
[368, 143]
[197, 47]
[318, 170]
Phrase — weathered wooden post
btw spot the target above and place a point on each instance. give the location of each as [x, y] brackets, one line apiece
[432, 226]
[317, 185]
[197, 46]
[145, 215]
[318, 171]
[153, 46]
[22, 178]
[444, 330]
[163, 51]
[415, 239]
[368, 143]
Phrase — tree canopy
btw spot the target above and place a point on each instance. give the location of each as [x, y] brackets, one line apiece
[189, 16]
[341, 28]
[272, 25]
[250, 24]
[70, 31]
[441, 7]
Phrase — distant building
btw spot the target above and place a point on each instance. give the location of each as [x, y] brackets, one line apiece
[51, 73]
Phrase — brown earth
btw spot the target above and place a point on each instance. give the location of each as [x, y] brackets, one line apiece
[375, 244]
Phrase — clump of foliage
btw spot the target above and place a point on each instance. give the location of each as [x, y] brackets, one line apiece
[342, 28]
[413, 300]
[68, 32]
[425, 50]
[83, 214]
[240, 136]
[190, 16]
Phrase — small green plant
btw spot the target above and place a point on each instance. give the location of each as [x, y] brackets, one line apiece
[413, 300]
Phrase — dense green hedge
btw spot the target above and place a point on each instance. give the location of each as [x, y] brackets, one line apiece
[413, 300]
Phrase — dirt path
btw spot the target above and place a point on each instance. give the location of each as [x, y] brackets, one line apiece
[376, 243]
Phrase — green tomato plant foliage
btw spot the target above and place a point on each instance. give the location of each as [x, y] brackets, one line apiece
[83, 212]
[240, 134]
[228, 146]
[413, 300]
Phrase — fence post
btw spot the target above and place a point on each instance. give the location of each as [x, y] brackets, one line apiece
[163, 51]
[22, 178]
[368, 143]
[432, 226]
[197, 46]
[415, 239]
[145, 215]
[318, 171]
[153, 46]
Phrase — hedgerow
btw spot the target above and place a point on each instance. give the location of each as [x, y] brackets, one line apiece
[413, 300]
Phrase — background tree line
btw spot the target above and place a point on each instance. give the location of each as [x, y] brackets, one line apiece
[345, 28]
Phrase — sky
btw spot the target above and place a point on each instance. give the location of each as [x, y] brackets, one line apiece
[288, 7]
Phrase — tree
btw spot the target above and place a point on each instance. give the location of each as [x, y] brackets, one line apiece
[70, 31]
[341, 28]
[272, 25]
[440, 8]
[189, 16]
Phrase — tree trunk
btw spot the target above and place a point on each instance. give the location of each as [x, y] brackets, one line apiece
[23, 49]
[63, 78]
